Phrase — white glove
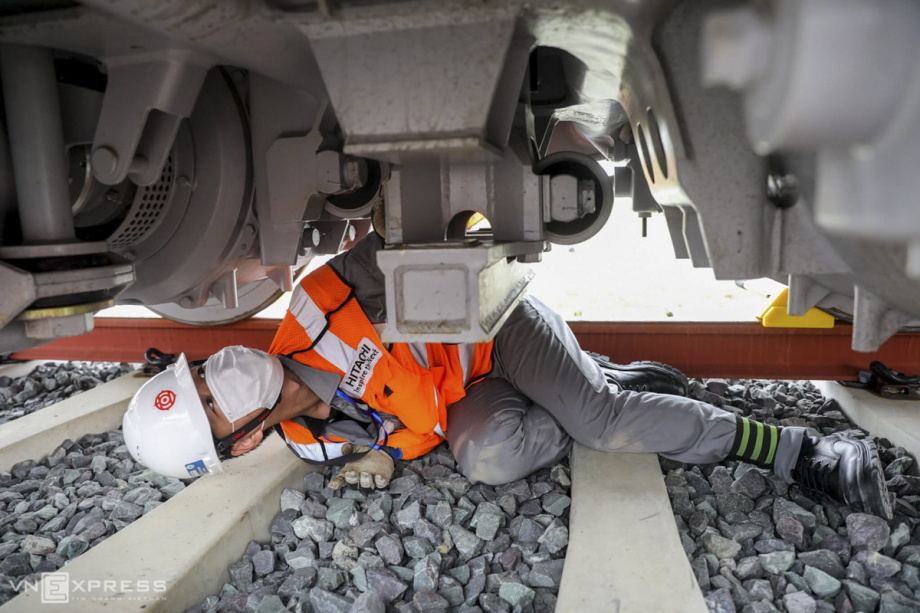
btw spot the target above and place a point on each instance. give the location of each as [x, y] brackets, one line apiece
[373, 470]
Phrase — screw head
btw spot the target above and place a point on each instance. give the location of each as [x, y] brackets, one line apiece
[104, 161]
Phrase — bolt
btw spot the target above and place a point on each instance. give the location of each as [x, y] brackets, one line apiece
[104, 161]
[111, 195]
[130, 256]
[183, 181]
[782, 190]
[186, 302]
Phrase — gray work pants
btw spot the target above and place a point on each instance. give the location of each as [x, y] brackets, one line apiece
[544, 393]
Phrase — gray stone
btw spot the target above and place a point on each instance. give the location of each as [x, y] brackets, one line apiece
[898, 538]
[291, 499]
[719, 601]
[271, 604]
[524, 529]
[127, 511]
[799, 602]
[748, 568]
[751, 484]
[719, 546]
[314, 482]
[555, 539]
[488, 526]
[772, 545]
[786, 508]
[171, 489]
[428, 601]
[241, 574]
[428, 530]
[893, 602]
[546, 574]
[791, 530]
[385, 583]
[857, 572]
[867, 532]
[345, 554]
[824, 560]
[300, 558]
[731, 502]
[759, 589]
[263, 562]
[141, 495]
[821, 583]
[329, 578]
[417, 547]
[368, 602]
[466, 542]
[777, 562]
[70, 547]
[864, 599]
[320, 530]
[390, 549]
[439, 514]
[340, 511]
[740, 532]
[491, 603]
[516, 594]
[556, 503]
[876, 564]
[38, 545]
[16, 565]
[426, 576]
[324, 601]
[407, 516]
[364, 534]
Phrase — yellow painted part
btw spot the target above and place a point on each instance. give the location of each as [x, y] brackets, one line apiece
[776, 316]
[475, 219]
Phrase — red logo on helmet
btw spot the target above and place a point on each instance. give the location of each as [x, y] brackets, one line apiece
[165, 400]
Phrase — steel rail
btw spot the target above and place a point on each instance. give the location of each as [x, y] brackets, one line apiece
[733, 350]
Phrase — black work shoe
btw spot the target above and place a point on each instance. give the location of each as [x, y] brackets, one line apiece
[644, 376]
[845, 469]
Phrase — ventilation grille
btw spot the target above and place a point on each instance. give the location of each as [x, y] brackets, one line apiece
[148, 206]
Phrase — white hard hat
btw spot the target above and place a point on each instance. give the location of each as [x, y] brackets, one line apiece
[166, 429]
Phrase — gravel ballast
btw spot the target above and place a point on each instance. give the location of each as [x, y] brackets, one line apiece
[757, 544]
[52, 382]
[430, 542]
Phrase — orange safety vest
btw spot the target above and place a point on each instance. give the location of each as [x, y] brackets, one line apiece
[325, 328]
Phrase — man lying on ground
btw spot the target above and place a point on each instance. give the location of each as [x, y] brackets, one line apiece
[339, 396]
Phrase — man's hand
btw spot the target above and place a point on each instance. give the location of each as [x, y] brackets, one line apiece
[373, 470]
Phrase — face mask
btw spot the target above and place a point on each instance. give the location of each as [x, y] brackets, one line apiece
[243, 380]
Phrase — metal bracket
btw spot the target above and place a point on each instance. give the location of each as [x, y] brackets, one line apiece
[146, 98]
[452, 293]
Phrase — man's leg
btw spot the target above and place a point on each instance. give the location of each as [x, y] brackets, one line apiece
[537, 353]
[498, 435]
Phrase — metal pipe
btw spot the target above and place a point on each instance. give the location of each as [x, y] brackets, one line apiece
[33, 118]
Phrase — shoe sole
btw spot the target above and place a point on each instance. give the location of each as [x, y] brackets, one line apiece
[877, 474]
